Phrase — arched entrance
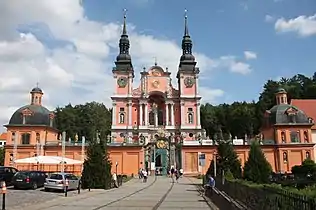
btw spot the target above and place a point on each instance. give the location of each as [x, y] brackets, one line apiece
[161, 157]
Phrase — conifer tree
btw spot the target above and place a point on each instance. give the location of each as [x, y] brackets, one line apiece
[97, 167]
[257, 168]
[227, 159]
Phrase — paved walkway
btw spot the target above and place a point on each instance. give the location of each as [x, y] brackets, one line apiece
[157, 194]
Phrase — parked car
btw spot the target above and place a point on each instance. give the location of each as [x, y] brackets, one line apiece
[29, 179]
[7, 173]
[56, 181]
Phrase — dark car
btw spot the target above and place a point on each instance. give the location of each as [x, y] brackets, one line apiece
[7, 173]
[28, 179]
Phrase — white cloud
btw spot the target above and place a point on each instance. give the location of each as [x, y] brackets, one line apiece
[234, 65]
[250, 55]
[302, 25]
[269, 18]
[81, 69]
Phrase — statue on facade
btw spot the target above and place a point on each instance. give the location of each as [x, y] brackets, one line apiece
[76, 137]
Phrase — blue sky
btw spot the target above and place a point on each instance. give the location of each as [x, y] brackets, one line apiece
[221, 27]
[70, 48]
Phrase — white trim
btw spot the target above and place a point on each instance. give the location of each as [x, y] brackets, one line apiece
[172, 115]
[189, 96]
[191, 127]
[141, 114]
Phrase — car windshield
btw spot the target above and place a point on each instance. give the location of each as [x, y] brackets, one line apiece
[22, 174]
[56, 176]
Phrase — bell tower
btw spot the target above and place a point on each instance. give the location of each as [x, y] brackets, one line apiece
[123, 74]
[188, 78]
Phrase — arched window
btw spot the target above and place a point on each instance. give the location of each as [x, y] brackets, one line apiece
[308, 155]
[36, 99]
[306, 137]
[285, 157]
[295, 137]
[122, 118]
[26, 138]
[190, 118]
[13, 137]
[283, 137]
[38, 137]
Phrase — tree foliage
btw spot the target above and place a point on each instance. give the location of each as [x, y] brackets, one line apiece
[307, 169]
[84, 120]
[2, 155]
[257, 169]
[97, 167]
[227, 159]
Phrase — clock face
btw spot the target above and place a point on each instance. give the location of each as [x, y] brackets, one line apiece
[189, 82]
[122, 81]
[155, 84]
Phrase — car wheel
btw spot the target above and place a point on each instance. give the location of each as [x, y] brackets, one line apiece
[34, 186]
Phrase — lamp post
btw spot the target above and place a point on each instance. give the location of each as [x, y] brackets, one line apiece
[215, 160]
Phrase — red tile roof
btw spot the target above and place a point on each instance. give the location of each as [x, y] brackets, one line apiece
[3, 136]
[308, 106]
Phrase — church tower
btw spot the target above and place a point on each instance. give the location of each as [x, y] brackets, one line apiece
[188, 78]
[123, 74]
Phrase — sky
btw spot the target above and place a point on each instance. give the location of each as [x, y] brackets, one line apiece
[69, 46]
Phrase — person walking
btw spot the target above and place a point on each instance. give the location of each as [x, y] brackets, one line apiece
[145, 174]
[114, 177]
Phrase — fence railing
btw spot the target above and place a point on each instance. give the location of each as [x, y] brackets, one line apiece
[265, 198]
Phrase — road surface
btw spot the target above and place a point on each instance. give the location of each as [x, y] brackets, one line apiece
[159, 193]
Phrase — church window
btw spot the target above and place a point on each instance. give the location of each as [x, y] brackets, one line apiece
[190, 109]
[190, 118]
[283, 137]
[308, 155]
[122, 109]
[285, 159]
[190, 135]
[13, 137]
[122, 118]
[295, 137]
[305, 136]
[38, 137]
[26, 138]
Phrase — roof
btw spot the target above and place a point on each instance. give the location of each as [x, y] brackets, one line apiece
[281, 114]
[3, 136]
[36, 115]
[308, 106]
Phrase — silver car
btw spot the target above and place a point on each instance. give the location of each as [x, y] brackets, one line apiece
[57, 181]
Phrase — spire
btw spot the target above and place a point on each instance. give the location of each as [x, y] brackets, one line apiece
[124, 24]
[187, 59]
[124, 43]
[123, 60]
[186, 30]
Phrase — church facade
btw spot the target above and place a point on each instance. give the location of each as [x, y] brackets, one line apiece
[155, 115]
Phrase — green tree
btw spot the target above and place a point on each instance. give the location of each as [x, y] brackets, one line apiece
[2, 154]
[97, 167]
[257, 168]
[84, 120]
[227, 159]
[308, 167]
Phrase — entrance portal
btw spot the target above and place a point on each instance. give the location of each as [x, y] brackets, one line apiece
[161, 161]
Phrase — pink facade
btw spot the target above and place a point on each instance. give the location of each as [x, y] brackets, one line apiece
[154, 104]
